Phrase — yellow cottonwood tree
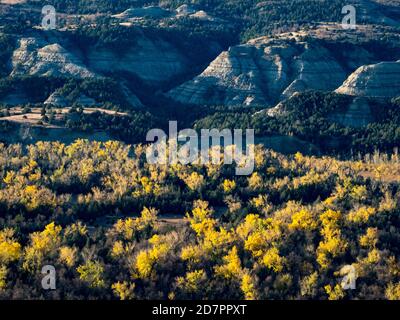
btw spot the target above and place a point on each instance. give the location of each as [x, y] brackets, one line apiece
[129, 228]
[214, 240]
[192, 282]
[335, 293]
[124, 290]
[10, 250]
[361, 215]
[373, 257]
[91, 272]
[144, 264]
[146, 259]
[251, 223]
[248, 287]
[68, 255]
[359, 193]
[261, 204]
[332, 244]
[303, 220]
[201, 218]
[118, 249]
[228, 185]
[9, 178]
[194, 181]
[149, 186]
[255, 181]
[308, 285]
[258, 234]
[370, 238]
[232, 268]
[273, 260]
[41, 245]
[393, 291]
[76, 229]
[193, 254]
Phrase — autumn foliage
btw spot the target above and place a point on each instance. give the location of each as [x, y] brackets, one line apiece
[116, 227]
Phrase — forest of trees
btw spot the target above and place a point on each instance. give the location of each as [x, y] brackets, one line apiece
[115, 227]
[251, 18]
[308, 116]
[106, 91]
[6, 47]
[130, 129]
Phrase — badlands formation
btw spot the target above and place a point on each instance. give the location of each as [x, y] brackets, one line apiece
[265, 71]
[381, 80]
[262, 73]
[151, 60]
[36, 57]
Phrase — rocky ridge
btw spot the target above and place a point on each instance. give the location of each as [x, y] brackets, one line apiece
[267, 70]
[153, 61]
[263, 72]
[34, 56]
[381, 80]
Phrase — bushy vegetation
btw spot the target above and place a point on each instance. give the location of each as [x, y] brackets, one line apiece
[37, 88]
[105, 91]
[251, 18]
[308, 116]
[116, 227]
[130, 129]
[103, 217]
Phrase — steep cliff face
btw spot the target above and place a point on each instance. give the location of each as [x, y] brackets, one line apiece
[153, 61]
[378, 80]
[35, 56]
[261, 72]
